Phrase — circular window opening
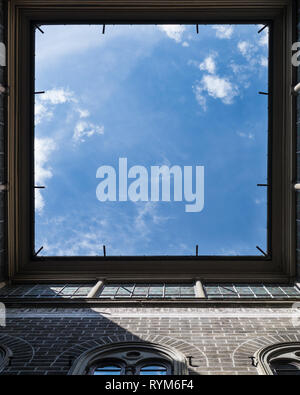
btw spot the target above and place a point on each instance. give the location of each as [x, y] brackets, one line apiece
[133, 354]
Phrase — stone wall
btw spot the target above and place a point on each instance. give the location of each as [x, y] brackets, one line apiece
[219, 340]
[2, 153]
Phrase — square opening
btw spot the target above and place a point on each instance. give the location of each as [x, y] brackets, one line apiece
[151, 140]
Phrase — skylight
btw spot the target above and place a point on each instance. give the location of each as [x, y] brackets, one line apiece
[112, 108]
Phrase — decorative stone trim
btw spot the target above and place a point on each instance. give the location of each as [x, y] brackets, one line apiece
[288, 351]
[186, 349]
[18, 351]
[241, 356]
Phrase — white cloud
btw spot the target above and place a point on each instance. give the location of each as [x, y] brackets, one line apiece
[57, 96]
[223, 31]
[245, 48]
[43, 149]
[140, 220]
[185, 44]
[264, 39]
[198, 90]
[45, 103]
[259, 201]
[85, 129]
[217, 88]
[249, 136]
[75, 245]
[65, 42]
[69, 235]
[83, 113]
[208, 64]
[146, 216]
[264, 61]
[251, 53]
[41, 112]
[174, 32]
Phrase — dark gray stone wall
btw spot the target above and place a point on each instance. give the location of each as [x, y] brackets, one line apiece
[298, 152]
[219, 340]
[3, 261]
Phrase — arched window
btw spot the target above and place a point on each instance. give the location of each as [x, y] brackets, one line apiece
[284, 367]
[131, 358]
[280, 359]
[5, 355]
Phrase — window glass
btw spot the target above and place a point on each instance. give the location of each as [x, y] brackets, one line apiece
[153, 370]
[107, 370]
[286, 368]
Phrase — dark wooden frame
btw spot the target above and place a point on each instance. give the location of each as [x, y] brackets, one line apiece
[23, 266]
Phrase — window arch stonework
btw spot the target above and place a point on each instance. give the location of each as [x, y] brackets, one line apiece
[279, 359]
[5, 355]
[132, 358]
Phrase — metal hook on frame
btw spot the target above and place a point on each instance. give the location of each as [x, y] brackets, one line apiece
[253, 361]
[37, 27]
[262, 251]
[262, 29]
[38, 251]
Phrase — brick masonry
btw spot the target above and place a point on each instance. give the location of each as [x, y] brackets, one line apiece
[220, 340]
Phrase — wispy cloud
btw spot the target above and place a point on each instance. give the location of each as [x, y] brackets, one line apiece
[57, 96]
[41, 112]
[123, 237]
[217, 88]
[83, 113]
[46, 102]
[224, 31]
[174, 32]
[264, 39]
[45, 107]
[147, 216]
[208, 64]
[264, 61]
[251, 54]
[245, 48]
[85, 129]
[249, 136]
[259, 201]
[43, 149]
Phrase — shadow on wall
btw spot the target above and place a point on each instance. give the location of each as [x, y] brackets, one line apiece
[54, 342]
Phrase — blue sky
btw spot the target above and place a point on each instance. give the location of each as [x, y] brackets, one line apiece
[157, 95]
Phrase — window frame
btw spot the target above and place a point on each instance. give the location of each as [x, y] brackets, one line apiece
[106, 362]
[5, 356]
[280, 267]
[275, 353]
[174, 361]
[125, 368]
